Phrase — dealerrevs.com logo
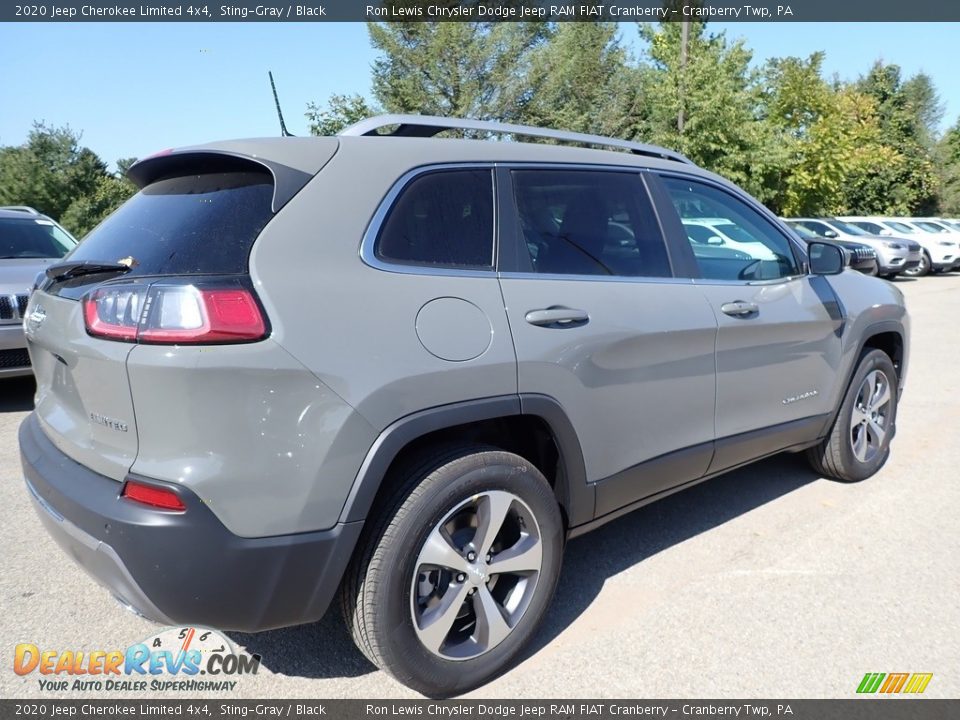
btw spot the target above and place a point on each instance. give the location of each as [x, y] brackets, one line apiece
[191, 659]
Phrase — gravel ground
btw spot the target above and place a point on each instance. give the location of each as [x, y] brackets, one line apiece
[767, 582]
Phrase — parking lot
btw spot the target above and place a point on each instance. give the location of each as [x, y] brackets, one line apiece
[767, 582]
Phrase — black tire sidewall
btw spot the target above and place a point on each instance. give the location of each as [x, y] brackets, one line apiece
[448, 486]
[873, 360]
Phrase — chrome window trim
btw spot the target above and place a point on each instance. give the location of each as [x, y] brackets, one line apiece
[368, 243]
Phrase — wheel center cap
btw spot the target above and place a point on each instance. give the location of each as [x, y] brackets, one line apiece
[476, 574]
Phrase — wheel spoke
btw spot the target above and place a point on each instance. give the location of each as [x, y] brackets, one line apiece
[878, 432]
[438, 551]
[524, 556]
[492, 627]
[491, 512]
[857, 417]
[436, 622]
[882, 396]
[860, 445]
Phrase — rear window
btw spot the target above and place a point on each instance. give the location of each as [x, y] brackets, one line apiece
[32, 238]
[197, 224]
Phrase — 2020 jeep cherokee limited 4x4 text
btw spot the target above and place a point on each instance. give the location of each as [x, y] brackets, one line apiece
[402, 370]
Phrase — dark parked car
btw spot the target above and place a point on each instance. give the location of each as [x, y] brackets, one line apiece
[860, 257]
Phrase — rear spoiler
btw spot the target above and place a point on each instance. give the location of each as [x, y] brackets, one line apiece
[287, 180]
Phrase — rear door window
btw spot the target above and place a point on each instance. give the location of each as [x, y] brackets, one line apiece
[589, 222]
[441, 219]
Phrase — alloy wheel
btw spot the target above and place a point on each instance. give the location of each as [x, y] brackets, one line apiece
[475, 575]
[868, 421]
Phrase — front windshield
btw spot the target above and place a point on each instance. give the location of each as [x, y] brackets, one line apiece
[22, 238]
[848, 228]
[930, 227]
[900, 227]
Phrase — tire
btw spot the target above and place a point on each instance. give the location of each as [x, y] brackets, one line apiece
[922, 269]
[859, 441]
[395, 600]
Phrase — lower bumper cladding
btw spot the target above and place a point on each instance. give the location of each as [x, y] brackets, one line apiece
[181, 567]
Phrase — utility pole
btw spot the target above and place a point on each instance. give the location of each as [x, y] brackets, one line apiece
[684, 39]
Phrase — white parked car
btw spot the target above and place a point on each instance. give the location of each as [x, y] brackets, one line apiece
[939, 255]
[721, 232]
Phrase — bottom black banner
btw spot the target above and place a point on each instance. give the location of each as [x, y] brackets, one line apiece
[867, 709]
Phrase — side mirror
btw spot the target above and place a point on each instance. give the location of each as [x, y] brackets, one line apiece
[714, 240]
[825, 259]
[830, 233]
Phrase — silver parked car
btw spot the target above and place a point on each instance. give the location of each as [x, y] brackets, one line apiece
[29, 242]
[894, 255]
[401, 371]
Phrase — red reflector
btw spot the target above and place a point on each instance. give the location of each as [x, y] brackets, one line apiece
[149, 495]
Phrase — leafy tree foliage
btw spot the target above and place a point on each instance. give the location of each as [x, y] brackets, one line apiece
[461, 69]
[580, 80]
[54, 174]
[341, 111]
[49, 171]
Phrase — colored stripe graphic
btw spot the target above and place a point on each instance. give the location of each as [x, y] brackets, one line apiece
[893, 683]
[918, 682]
[870, 682]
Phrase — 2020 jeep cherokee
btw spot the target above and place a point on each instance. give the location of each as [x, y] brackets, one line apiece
[407, 369]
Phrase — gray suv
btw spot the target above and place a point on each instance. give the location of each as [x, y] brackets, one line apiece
[401, 371]
[29, 242]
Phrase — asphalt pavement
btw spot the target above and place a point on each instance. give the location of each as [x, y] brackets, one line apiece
[767, 582]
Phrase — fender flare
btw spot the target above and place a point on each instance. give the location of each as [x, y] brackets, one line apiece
[571, 487]
[883, 326]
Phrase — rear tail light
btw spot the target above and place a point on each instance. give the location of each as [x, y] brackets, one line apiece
[152, 496]
[175, 313]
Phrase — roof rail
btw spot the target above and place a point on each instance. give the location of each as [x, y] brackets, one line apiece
[429, 125]
[21, 208]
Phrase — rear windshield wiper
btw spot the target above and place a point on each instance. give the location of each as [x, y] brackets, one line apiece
[67, 270]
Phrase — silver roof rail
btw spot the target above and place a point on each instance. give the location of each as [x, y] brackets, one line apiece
[21, 208]
[429, 125]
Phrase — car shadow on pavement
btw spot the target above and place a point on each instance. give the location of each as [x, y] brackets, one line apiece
[324, 649]
[16, 394]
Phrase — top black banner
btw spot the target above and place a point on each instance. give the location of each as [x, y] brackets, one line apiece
[483, 11]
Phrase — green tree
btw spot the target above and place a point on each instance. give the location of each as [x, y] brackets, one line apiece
[579, 80]
[719, 96]
[49, 171]
[110, 192]
[906, 114]
[461, 69]
[829, 138]
[340, 111]
[948, 152]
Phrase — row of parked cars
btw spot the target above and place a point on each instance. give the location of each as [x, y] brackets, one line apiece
[911, 246]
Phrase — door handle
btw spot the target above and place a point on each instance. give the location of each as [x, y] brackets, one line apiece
[557, 317]
[740, 308]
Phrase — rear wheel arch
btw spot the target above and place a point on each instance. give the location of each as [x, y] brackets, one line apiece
[533, 426]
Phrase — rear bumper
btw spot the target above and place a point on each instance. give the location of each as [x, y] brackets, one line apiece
[181, 567]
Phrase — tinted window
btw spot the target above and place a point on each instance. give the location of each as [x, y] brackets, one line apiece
[752, 247]
[930, 227]
[900, 227]
[185, 225]
[32, 238]
[443, 218]
[582, 222]
[848, 228]
[817, 228]
[870, 227]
